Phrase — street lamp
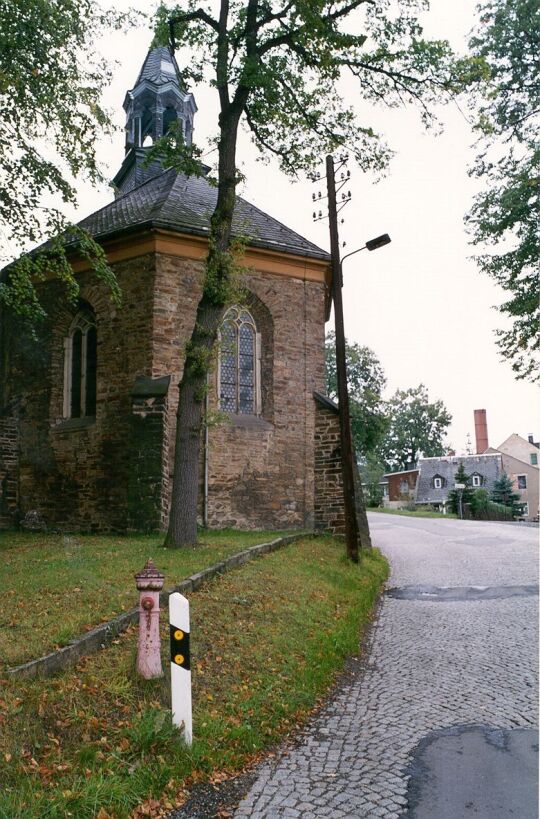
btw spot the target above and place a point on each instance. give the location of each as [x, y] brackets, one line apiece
[371, 244]
[347, 458]
[380, 241]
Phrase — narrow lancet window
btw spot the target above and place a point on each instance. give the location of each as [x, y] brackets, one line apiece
[80, 366]
[76, 373]
[239, 363]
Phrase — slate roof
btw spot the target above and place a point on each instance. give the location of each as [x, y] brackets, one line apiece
[184, 204]
[158, 67]
[488, 466]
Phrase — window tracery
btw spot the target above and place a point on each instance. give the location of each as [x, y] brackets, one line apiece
[239, 363]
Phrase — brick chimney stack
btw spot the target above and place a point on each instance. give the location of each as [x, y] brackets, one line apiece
[480, 431]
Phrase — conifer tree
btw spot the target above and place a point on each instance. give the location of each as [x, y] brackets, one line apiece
[463, 495]
[503, 493]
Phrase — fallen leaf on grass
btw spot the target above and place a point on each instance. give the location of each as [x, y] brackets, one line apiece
[218, 777]
[149, 808]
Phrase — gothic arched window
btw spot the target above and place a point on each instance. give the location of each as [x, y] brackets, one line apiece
[239, 363]
[80, 365]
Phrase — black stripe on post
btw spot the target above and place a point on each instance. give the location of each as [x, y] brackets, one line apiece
[180, 647]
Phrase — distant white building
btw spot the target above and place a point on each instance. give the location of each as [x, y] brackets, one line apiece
[520, 462]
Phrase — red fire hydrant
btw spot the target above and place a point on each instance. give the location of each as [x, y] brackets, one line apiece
[149, 583]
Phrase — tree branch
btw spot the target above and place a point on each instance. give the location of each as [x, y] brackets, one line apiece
[222, 58]
[281, 39]
[335, 15]
[283, 155]
[199, 14]
[277, 15]
[244, 88]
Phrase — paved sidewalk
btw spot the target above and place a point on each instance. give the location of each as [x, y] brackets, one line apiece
[436, 663]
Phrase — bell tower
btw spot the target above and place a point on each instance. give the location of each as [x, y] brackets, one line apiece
[156, 102]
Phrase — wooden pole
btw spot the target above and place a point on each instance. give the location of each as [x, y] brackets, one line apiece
[347, 469]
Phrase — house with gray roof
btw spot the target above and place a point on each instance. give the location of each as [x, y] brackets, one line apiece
[437, 476]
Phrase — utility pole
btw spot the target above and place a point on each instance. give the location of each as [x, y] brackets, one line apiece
[347, 468]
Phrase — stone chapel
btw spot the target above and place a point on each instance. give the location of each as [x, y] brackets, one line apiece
[87, 411]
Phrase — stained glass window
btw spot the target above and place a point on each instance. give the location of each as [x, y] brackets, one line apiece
[238, 363]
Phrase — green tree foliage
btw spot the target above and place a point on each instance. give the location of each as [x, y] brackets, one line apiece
[482, 508]
[50, 117]
[504, 216]
[466, 494]
[372, 471]
[417, 426]
[276, 67]
[366, 382]
[479, 502]
[503, 493]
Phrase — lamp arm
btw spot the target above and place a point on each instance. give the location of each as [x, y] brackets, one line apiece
[352, 253]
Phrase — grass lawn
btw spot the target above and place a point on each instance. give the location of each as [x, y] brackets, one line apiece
[268, 640]
[58, 586]
[418, 513]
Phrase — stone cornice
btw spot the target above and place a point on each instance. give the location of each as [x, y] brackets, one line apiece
[188, 246]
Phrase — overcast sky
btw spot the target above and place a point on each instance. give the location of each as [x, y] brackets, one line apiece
[420, 302]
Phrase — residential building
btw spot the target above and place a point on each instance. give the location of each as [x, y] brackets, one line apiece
[437, 476]
[520, 458]
[524, 450]
[520, 462]
[400, 487]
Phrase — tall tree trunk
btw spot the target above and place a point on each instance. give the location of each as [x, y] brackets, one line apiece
[182, 529]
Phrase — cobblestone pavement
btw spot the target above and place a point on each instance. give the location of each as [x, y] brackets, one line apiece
[432, 665]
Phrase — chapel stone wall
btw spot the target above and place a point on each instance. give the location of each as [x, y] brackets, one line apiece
[78, 473]
[329, 510]
[329, 507]
[260, 468]
[115, 471]
[9, 468]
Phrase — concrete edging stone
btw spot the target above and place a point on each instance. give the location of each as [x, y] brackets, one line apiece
[102, 635]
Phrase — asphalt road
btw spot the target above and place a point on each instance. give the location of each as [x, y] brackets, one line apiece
[440, 718]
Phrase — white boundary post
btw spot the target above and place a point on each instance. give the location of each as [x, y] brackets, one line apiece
[180, 664]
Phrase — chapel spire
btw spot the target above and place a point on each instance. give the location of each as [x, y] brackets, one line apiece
[156, 101]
